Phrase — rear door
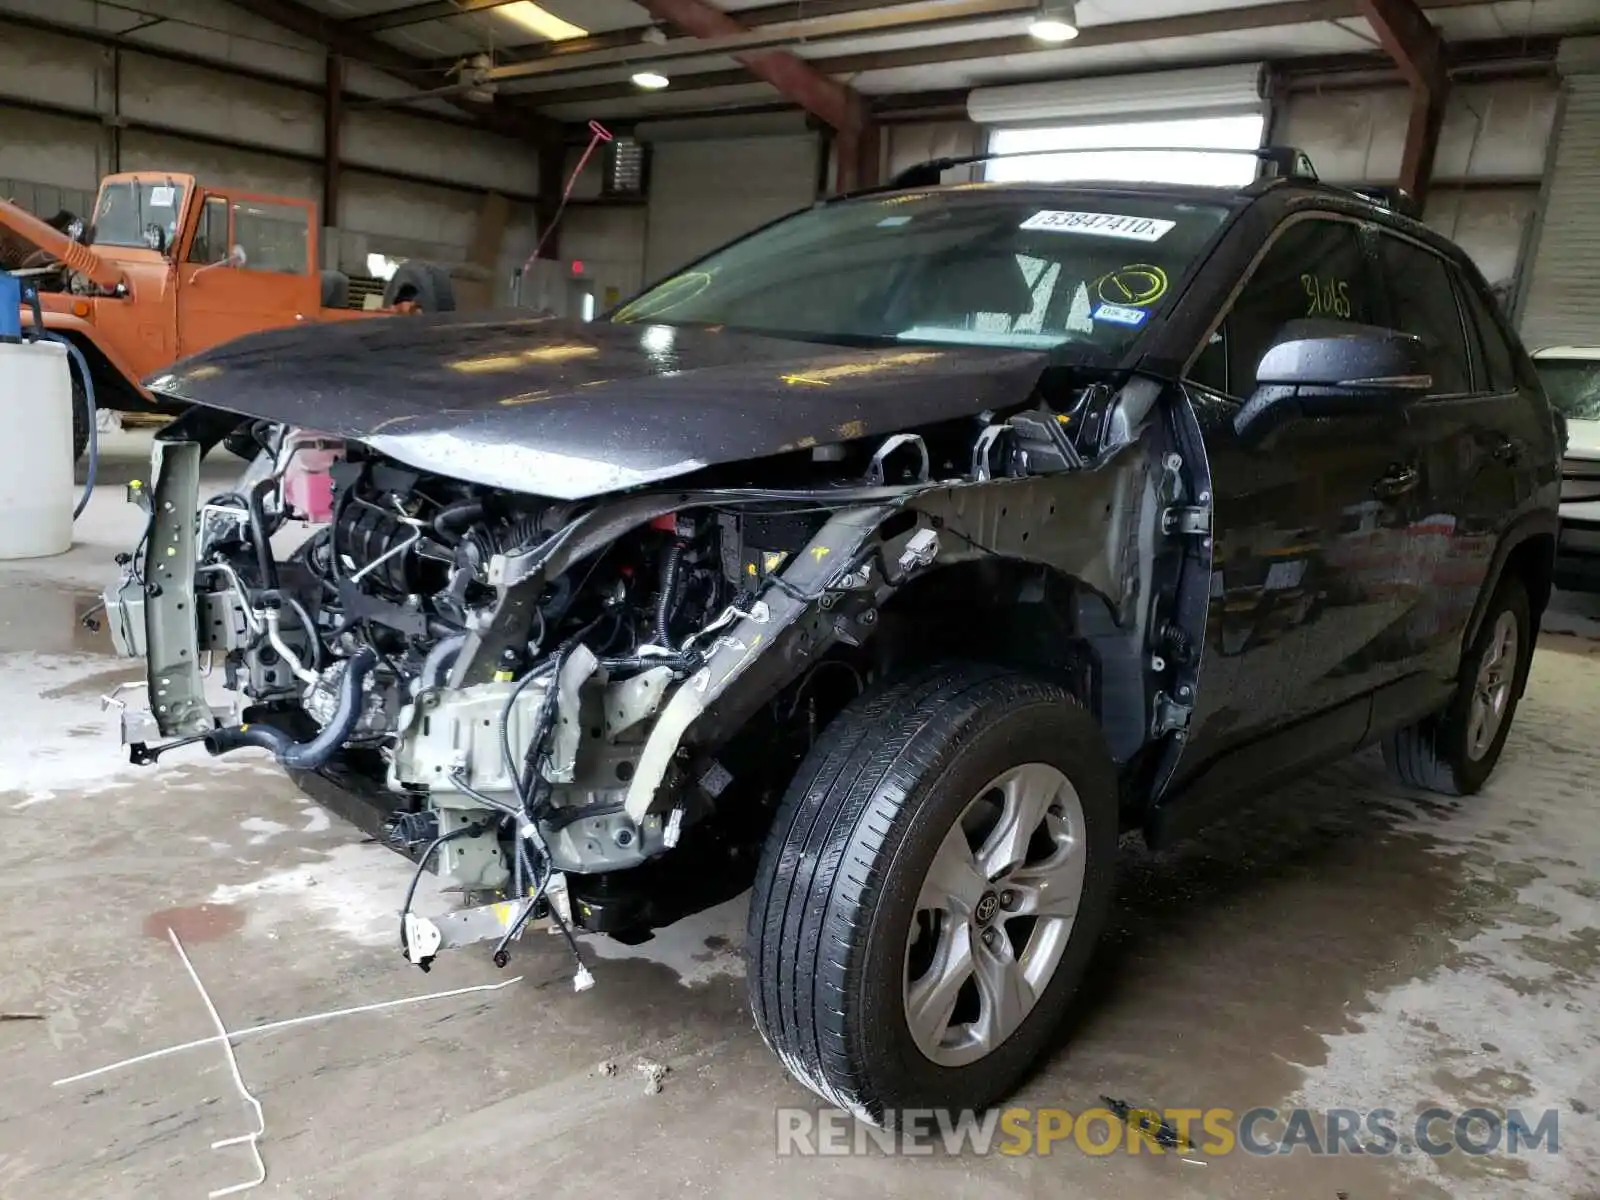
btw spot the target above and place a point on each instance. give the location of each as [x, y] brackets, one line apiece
[274, 286]
[1470, 434]
[1307, 522]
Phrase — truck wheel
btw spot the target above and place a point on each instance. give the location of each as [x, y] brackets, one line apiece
[1455, 750]
[423, 284]
[80, 416]
[931, 890]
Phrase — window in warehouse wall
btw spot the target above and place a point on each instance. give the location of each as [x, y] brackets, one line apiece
[1233, 131]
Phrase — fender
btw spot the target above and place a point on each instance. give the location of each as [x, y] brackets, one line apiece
[61, 322]
[1539, 523]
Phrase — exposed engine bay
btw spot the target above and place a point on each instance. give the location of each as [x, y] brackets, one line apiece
[587, 711]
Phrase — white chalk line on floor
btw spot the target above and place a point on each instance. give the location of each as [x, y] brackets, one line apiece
[253, 1138]
[272, 1026]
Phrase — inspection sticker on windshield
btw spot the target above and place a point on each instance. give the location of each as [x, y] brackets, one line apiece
[1118, 314]
[1134, 229]
[161, 196]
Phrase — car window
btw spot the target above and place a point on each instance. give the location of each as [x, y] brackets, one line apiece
[1497, 367]
[1573, 385]
[137, 213]
[1314, 268]
[210, 243]
[1084, 272]
[1422, 302]
[273, 236]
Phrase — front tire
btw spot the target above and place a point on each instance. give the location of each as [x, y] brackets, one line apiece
[1453, 752]
[80, 416]
[931, 890]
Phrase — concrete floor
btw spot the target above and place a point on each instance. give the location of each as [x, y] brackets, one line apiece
[1359, 947]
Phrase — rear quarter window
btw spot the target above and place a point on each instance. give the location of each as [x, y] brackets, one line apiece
[1497, 367]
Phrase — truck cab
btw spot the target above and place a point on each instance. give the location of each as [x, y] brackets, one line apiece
[168, 267]
[199, 266]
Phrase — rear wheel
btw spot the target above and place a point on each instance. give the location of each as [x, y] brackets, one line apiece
[335, 289]
[931, 891]
[424, 285]
[1455, 751]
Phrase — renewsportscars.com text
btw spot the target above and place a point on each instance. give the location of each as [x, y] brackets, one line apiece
[1203, 1132]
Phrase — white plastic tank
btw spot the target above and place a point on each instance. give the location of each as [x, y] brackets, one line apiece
[36, 483]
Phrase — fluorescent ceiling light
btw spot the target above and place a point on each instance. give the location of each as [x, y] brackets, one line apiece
[1054, 23]
[651, 81]
[539, 21]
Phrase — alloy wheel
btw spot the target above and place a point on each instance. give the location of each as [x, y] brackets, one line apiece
[1491, 690]
[994, 914]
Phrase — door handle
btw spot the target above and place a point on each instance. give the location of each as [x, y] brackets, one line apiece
[1397, 482]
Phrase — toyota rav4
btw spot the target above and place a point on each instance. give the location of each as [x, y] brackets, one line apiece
[890, 562]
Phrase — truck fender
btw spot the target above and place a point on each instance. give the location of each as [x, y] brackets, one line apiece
[85, 333]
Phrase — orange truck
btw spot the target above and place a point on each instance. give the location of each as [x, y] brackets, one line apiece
[166, 267]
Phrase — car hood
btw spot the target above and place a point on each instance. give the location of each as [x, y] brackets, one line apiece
[571, 410]
[1583, 438]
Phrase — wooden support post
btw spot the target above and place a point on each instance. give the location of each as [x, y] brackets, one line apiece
[332, 138]
[1418, 50]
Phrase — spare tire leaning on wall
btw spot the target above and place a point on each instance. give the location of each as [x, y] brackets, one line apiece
[426, 285]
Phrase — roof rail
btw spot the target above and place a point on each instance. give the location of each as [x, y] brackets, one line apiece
[1286, 161]
[1396, 199]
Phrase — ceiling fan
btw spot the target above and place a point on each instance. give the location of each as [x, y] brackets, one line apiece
[472, 82]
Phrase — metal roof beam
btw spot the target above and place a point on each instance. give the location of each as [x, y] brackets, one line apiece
[1418, 50]
[523, 124]
[1120, 33]
[724, 35]
[834, 103]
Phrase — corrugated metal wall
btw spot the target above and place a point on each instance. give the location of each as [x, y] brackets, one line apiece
[239, 131]
[1562, 302]
[1487, 175]
[709, 190]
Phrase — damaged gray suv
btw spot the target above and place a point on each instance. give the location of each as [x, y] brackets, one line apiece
[891, 561]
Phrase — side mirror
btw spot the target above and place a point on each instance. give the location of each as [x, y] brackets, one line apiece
[1320, 368]
[236, 258]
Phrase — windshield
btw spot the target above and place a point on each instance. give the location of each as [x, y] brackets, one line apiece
[975, 267]
[1573, 385]
[139, 213]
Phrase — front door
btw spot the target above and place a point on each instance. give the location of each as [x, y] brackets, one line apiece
[271, 284]
[1308, 522]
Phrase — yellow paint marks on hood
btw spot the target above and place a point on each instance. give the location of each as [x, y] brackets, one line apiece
[204, 371]
[526, 398]
[492, 362]
[560, 352]
[823, 376]
[389, 422]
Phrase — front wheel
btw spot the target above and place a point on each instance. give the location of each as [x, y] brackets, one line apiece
[80, 416]
[931, 891]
